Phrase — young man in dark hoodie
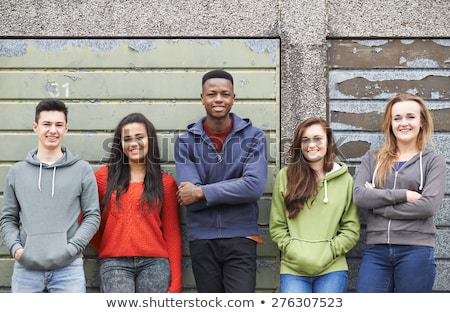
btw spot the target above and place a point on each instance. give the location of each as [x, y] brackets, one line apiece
[221, 169]
[43, 198]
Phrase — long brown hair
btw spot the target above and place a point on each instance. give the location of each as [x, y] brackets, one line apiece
[119, 168]
[387, 154]
[301, 178]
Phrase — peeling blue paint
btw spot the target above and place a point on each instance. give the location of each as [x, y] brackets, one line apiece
[215, 43]
[200, 41]
[18, 47]
[89, 133]
[243, 83]
[423, 63]
[12, 47]
[407, 41]
[73, 78]
[371, 43]
[50, 87]
[264, 45]
[172, 41]
[92, 101]
[435, 95]
[140, 45]
[442, 42]
[94, 44]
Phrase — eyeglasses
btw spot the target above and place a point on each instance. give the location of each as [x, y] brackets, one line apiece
[316, 140]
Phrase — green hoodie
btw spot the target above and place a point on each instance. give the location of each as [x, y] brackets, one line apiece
[316, 240]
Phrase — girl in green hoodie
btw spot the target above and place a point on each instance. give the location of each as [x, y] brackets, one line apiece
[313, 219]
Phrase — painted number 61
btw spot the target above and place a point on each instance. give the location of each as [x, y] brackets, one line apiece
[55, 91]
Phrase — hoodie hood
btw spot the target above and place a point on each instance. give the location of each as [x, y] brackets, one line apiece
[238, 124]
[67, 159]
[420, 156]
[337, 170]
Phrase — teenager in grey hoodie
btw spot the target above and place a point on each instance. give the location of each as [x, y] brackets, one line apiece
[401, 185]
[50, 209]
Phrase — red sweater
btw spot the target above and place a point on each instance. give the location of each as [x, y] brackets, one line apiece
[127, 232]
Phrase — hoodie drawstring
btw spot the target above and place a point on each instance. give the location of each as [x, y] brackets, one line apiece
[374, 175]
[325, 199]
[53, 179]
[40, 176]
[421, 172]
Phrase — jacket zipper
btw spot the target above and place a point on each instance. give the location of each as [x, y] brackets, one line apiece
[390, 220]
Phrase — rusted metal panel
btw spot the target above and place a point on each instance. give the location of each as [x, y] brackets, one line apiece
[353, 144]
[389, 53]
[363, 75]
[371, 120]
[384, 83]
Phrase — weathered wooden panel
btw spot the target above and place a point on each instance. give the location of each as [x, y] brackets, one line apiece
[120, 84]
[353, 144]
[385, 83]
[367, 115]
[363, 75]
[135, 54]
[165, 115]
[388, 53]
[6, 266]
[170, 169]
[93, 146]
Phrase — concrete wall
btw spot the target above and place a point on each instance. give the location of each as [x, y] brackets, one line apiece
[305, 29]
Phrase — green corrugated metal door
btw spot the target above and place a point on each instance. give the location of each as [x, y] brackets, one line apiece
[102, 80]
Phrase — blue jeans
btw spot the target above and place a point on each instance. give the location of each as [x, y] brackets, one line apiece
[334, 282]
[396, 268]
[224, 265]
[134, 275]
[67, 279]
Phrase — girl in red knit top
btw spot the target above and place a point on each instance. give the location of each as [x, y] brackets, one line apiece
[139, 240]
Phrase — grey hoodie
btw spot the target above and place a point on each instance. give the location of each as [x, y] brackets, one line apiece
[41, 210]
[390, 218]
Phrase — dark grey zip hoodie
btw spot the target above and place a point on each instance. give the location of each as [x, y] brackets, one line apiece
[41, 210]
[390, 218]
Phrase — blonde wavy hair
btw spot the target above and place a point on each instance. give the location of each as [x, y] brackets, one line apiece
[387, 154]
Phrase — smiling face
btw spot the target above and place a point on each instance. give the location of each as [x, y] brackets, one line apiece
[135, 142]
[406, 121]
[50, 128]
[217, 97]
[314, 144]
